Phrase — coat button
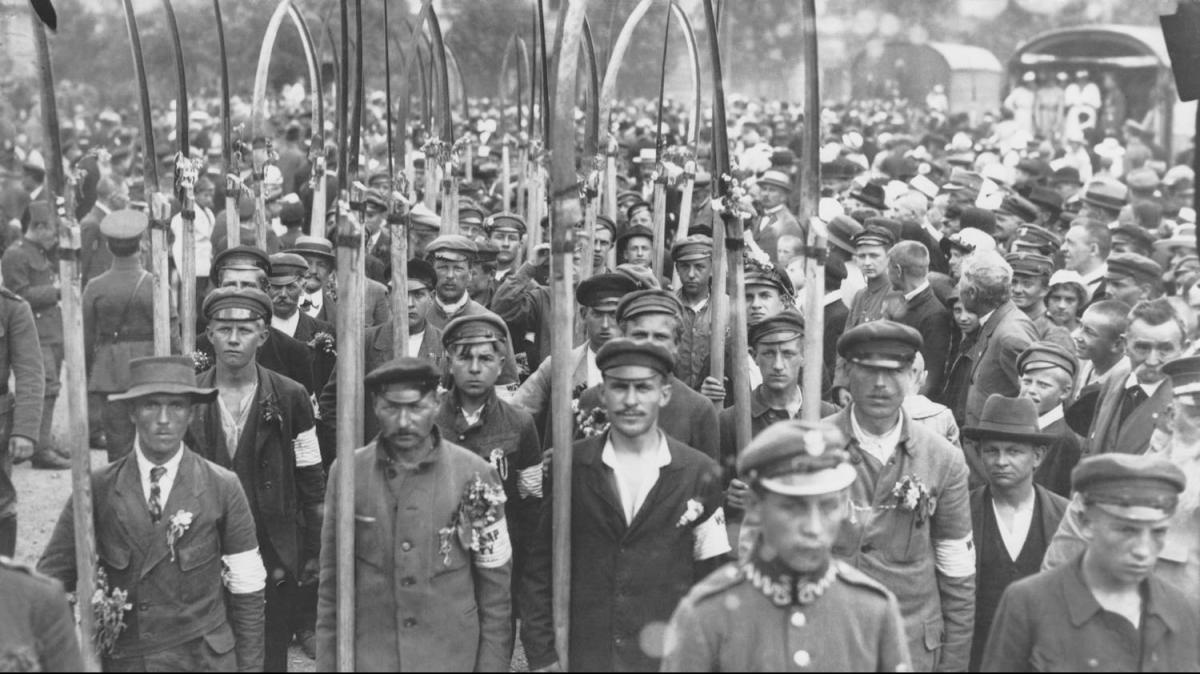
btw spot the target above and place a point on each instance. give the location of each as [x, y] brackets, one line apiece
[406, 546]
[802, 658]
[407, 581]
[410, 622]
[798, 619]
[1093, 662]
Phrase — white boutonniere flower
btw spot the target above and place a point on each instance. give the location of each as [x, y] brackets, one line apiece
[692, 513]
[179, 524]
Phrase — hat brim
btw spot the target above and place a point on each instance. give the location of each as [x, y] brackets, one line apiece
[990, 433]
[302, 252]
[819, 483]
[142, 390]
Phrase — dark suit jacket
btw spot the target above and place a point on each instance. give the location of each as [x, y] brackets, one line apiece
[1053, 509]
[176, 600]
[1131, 436]
[779, 224]
[1007, 333]
[623, 576]
[285, 355]
[376, 309]
[285, 497]
[323, 364]
[1061, 456]
[926, 314]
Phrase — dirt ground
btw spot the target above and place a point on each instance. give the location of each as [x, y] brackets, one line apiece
[41, 495]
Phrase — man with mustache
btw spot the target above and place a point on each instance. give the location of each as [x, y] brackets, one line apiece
[1106, 607]
[790, 604]
[261, 427]
[319, 298]
[1012, 518]
[1130, 408]
[647, 523]
[285, 279]
[425, 600]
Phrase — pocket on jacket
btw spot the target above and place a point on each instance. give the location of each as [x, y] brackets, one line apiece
[114, 556]
[199, 552]
[221, 640]
[367, 541]
[934, 629]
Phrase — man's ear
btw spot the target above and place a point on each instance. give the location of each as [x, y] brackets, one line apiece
[1039, 455]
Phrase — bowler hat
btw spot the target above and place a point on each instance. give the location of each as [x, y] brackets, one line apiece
[314, 246]
[1005, 418]
[1106, 194]
[171, 375]
[872, 195]
[777, 179]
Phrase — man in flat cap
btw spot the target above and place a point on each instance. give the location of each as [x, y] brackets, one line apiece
[1135, 239]
[379, 238]
[1047, 378]
[1131, 278]
[1131, 406]
[777, 345]
[285, 286]
[1012, 518]
[29, 272]
[774, 188]
[908, 270]
[174, 531]
[648, 523]
[425, 598]
[507, 232]
[470, 222]
[118, 324]
[472, 415]
[261, 427]
[1030, 285]
[635, 246]
[871, 247]
[687, 416]
[1105, 608]
[597, 297]
[247, 227]
[912, 529]
[245, 268]
[692, 258]
[482, 285]
[790, 604]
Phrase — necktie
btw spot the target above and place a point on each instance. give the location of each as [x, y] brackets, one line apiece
[1133, 397]
[156, 474]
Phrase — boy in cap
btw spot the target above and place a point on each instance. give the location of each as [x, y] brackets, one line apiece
[1012, 518]
[687, 416]
[1131, 278]
[285, 288]
[118, 324]
[635, 246]
[647, 520]
[199, 599]
[1047, 378]
[474, 417]
[1106, 607]
[791, 603]
[507, 232]
[1030, 286]
[425, 599]
[918, 547]
[261, 427]
[692, 258]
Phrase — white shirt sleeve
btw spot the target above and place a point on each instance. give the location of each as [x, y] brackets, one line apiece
[306, 449]
[710, 537]
[244, 572]
[955, 557]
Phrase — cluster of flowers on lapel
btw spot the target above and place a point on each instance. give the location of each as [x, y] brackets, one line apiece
[178, 526]
[201, 362]
[914, 496]
[482, 505]
[691, 513]
[109, 605]
[323, 342]
[270, 410]
[591, 422]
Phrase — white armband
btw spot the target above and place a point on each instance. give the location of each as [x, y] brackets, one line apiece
[244, 572]
[710, 537]
[955, 556]
[529, 481]
[306, 449]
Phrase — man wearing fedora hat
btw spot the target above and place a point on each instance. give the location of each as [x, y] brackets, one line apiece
[319, 298]
[174, 531]
[260, 425]
[1012, 518]
[775, 220]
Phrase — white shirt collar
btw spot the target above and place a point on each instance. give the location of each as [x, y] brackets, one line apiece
[316, 299]
[166, 481]
[773, 211]
[414, 342]
[1014, 538]
[286, 325]
[916, 291]
[1096, 275]
[451, 309]
[1148, 388]
[984, 318]
[1050, 417]
[882, 447]
[635, 474]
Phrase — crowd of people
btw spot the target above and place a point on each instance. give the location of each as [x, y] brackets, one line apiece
[1005, 477]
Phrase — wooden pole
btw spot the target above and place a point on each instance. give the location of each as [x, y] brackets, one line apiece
[685, 211]
[73, 350]
[506, 175]
[741, 347]
[719, 297]
[816, 244]
[160, 223]
[349, 380]
[660, 221]
[587, 263]
[231, 217]
[185, 172]
[317, 221]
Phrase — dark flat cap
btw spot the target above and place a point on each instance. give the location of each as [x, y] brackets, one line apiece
[635, 207]
[602, 288]
[607, 223]
[422, 272]
[1138, 235]
[1184, 374]
[1015, 204]
[485, 328]
[286, 267]
[1038, 237]
[978, 218]
[418, 372]
[1138, 267]
[453, 247]
[884, 343]
[1030, 264]
[237, 304]
[291, 211]
[1067, 175]
[1045, 198]
[842, 230]
[872, 195]
[875, 235]
[692, 248]
[239, 257]
[471, 214]
[506, 221]
[488, 253]
[1139, 487]
[1045, 355]
[622, 352]
[124, 224]
[758, 274]
[631, 232]
[651, 301]
[797, 458]
[782, 327]
[421, 217]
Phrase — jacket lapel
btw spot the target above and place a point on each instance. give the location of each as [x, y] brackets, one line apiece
[1134, 434]
[132, 509]
[601, 483]
[182, 497]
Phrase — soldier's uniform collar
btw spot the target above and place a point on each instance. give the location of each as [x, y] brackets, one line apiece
[782, 586]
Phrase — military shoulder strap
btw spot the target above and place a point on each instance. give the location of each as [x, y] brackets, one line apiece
[717, 582]
[852, 576]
